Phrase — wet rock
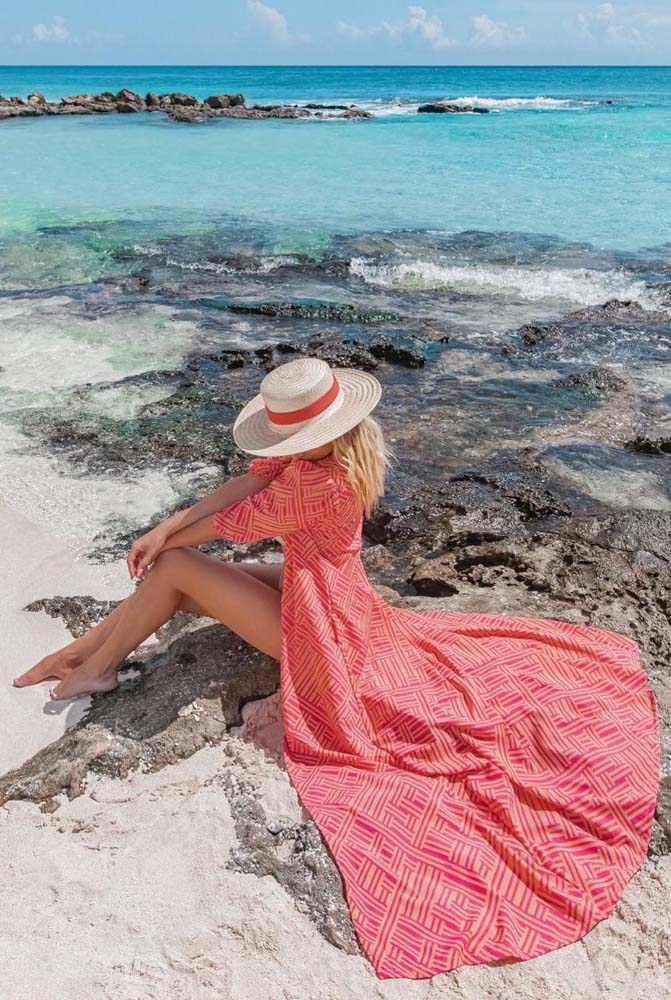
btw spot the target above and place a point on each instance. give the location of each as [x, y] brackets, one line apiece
[617, 332]
[328, 107]
[188, 115]
[445, 108]
[356, 113]
[260, 111]
[595, 380]
[313, 310]
[650, 446]
[152, 101]
[395, 352]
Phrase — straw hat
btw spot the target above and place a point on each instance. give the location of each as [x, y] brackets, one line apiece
[303, 404]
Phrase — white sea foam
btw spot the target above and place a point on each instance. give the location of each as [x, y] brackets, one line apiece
[578, 285]
[539, 103]
[48, 348]
[405, 106]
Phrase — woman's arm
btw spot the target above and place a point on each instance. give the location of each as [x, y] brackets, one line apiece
[196, 533]
[145, 549]
[230, 492]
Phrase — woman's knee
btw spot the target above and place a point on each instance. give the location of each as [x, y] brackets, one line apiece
[167, 563]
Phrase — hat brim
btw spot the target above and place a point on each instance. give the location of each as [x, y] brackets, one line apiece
[253, 433]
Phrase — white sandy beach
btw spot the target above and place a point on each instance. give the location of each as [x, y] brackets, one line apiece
[122, 892]
[37, 564]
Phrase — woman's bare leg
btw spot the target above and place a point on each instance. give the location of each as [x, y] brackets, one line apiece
[63, 661]
[241, 600]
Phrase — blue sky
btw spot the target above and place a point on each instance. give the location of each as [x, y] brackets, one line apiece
[225, 32]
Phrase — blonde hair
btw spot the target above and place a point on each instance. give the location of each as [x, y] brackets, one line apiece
[365, 456]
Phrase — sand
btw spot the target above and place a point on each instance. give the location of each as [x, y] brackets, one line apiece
[123, 894]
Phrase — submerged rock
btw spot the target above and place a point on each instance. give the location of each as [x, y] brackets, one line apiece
[339, 311]
[597, 380]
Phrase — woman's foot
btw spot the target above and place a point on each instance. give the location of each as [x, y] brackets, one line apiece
[58, 665]
[84, 681]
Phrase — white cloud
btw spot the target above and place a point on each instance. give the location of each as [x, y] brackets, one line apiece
[54, 33]
[57, 31]
[630, 27]
[271, 18]
[489, 32]
[427, 27]
[353, 31]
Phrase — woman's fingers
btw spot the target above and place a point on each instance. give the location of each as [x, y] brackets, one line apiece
[134, 559]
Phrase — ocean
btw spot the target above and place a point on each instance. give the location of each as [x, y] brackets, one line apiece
[125, 240]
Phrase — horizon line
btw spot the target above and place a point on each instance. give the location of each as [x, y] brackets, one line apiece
[335, 65]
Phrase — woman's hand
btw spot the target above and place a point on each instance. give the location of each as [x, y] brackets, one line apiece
[144, 551]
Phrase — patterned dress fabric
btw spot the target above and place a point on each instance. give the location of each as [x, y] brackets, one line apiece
[486, 783]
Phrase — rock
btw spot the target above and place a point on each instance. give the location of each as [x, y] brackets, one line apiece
[445, 108]
[314, 310]
[595, 380]
[143, 722]
[128, 97]
[77, 99]
[180, 107]
[36, 98]
[328, 107]
[78, 613]
[218, 101]
[260, 111]
[650, 446]
[189, 115]
[180, 100]
[387, 349]
[296, 857]
[356, 113]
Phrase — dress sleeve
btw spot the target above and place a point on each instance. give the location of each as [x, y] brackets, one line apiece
[268, 468]
[302, 495]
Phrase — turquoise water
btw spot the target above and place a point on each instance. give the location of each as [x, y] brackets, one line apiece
[552, 158]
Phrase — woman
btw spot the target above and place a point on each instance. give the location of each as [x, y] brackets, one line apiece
[485, 782]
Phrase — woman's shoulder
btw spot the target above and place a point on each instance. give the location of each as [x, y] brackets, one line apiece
[324, 477]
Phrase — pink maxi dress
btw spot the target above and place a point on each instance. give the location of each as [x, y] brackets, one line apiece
[486, 783]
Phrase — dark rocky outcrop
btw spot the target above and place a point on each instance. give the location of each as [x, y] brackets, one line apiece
[179, 107]
[650, 446]
[445, 108]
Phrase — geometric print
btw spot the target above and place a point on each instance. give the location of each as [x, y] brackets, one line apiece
[486, 783]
